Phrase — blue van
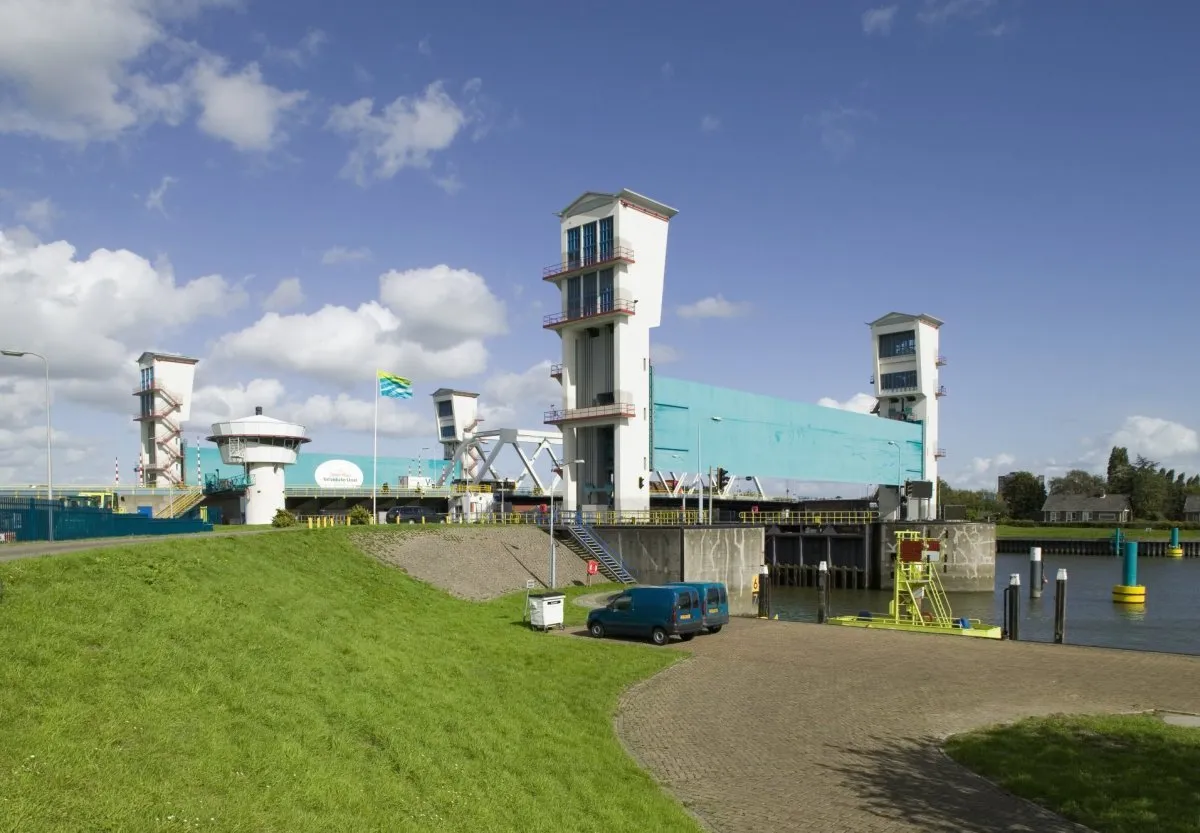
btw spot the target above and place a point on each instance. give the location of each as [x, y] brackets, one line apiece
[714, 605]
[656, 613]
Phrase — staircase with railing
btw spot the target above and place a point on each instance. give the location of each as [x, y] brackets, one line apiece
[610, 563]
[180, 506]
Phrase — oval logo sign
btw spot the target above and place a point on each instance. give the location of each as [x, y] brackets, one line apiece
[334, 474]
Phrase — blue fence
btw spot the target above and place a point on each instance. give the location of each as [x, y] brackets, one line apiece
[27, 519]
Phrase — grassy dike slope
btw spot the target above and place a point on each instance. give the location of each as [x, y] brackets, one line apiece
[287, 682]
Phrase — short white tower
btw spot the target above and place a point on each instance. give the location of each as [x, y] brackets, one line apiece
[610, 278]
[907, 387]
[457, 420]
[164, 404]
[264, 447]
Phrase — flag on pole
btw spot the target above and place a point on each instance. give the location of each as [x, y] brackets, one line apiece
[392, 386]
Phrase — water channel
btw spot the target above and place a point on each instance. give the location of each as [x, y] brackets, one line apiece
[1170, 620]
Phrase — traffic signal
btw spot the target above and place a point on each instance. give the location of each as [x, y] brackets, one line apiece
[722, 480]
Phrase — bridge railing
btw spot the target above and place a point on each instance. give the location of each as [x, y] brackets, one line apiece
[786, 518]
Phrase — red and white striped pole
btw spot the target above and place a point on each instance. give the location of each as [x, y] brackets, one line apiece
[116, 471]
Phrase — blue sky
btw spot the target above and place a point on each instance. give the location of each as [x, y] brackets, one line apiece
[1024, 171]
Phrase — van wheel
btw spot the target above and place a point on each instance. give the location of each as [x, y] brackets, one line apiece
[596, 630]
[714, 629]
[658, 636]
[687, 637]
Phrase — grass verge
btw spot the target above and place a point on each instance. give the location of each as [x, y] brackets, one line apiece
[1089, 533]
[1114, 774]
[291, 683]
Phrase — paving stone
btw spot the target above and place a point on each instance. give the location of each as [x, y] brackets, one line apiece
[774, 727]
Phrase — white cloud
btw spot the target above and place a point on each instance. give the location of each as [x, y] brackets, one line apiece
[715, 306]
[1157, 439]
[879, 21]
[860, 403]
[939, 12]
[240, 107]
[709, 124]
[154, 200]
[77, 69]
[667, 71]
[981, 472]
[428, 324]
[288, 293]
[39, 214]
[425, 46]
[91, 317]
[404, 134]
[340, 254]
[308, 47]
[512, 400]
[214, 403]
[839, 126]
[663, 353]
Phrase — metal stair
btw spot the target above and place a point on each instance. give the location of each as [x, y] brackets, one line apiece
[610, 563]
[181, 505]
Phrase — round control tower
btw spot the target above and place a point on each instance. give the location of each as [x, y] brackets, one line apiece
[264, 447]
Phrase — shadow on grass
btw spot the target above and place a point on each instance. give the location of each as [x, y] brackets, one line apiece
[917, 784]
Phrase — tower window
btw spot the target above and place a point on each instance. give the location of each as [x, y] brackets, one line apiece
[898, 344]
[898, 381]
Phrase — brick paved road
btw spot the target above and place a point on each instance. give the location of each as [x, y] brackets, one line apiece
[774, 727]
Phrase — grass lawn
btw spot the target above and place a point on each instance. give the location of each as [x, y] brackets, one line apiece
[1114, 774]
[289, 683]
[1132, 533]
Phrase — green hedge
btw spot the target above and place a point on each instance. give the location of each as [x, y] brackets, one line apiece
[1134, 525]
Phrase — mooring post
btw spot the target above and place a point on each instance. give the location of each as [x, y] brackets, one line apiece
[1129, 591]
[822, 592]
[1035, 572]
[764, 592]
[1060, 606]
[1175, 550]
[1012, 611]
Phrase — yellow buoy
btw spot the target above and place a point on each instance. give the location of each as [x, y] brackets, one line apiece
[1175, 552]
[1129, 594]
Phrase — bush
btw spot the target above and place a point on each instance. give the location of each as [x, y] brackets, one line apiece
[283, 518]
[360, 515]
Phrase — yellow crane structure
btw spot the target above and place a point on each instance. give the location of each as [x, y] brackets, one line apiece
[919, 602]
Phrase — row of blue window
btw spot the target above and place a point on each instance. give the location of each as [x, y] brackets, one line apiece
[898, 344]
[589, 252]
[903, 380]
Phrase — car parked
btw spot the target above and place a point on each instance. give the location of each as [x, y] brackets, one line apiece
[714, 604]
[414, 515]
[654, 613]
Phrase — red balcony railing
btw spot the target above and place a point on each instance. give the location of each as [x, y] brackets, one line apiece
[588, 260]
[614, 410]
[556, 371]
[940, 453]
[593, 309]
[941, 391]
[941, 361]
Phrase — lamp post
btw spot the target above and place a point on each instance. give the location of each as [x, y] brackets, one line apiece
[421, 462]
[700, 465]
[553, 543]
[20, 354]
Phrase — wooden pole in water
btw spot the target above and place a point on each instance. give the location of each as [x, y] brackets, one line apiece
[1012, 610]
[822, 592]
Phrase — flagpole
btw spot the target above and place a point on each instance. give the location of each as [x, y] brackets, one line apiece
[375, 454]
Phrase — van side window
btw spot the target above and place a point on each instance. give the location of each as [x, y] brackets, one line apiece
[623, 603]
[724, 597]
[714, 596]
[685, 600]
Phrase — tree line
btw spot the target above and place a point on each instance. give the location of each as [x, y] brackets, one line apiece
[1155, 492]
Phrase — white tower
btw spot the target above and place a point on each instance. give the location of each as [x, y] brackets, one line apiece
[457, 419]
[264, 447]
[907, 363]
[164, 404]
[610, 279]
